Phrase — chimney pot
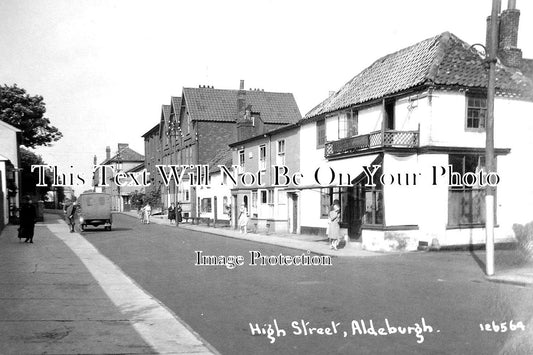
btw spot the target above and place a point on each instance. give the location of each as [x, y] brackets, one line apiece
[241, 86]
[511, 4]
[107, 152]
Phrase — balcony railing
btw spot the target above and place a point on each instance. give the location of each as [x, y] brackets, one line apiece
[400, 139]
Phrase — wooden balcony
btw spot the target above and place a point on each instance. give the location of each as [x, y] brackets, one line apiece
[377, 139]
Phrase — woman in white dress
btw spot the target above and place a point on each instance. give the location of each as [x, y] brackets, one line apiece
[243, 219]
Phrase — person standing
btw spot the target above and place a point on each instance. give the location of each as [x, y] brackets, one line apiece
[27, 220]
[243, 219]
[71, 213]
[147, 213]
[179, 210]
[171, 213]
[334, 227]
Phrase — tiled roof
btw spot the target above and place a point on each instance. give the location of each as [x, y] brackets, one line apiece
[175, 101]
[165, 111]
[208, 104]
[151, 131]
[441, 60]
[126, 155]
[223, 157]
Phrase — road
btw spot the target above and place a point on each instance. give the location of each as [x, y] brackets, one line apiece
[446, 289]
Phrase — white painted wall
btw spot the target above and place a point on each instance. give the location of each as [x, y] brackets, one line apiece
[216, 188]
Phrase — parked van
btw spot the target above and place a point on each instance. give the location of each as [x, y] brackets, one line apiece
[94, 208]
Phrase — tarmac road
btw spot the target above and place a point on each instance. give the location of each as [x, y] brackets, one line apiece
[447, 289]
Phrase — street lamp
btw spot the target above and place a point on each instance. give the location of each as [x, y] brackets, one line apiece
[118, 166]
[490, 58]
[174, 131]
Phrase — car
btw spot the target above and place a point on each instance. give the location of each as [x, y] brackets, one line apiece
[94, 208]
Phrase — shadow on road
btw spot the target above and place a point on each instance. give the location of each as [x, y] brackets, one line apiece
[477, 259]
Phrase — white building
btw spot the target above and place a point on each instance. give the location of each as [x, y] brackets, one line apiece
[413, 114]
[9, 170]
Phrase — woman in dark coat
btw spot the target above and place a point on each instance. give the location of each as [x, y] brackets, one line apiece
[171, 213]
[178, 213]
[27, 220]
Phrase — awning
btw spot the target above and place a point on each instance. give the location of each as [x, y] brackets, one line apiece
[343, 172]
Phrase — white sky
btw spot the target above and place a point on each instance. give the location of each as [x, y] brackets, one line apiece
[105, 68]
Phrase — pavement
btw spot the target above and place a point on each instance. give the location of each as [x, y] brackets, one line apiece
[312, 243]
[59, 295]
[522, 276]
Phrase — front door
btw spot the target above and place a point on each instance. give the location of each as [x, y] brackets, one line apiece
[294, 226]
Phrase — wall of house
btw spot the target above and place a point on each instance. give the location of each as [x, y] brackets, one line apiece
[212, 137]
[369, 119]
[216, 188]
[8, 142]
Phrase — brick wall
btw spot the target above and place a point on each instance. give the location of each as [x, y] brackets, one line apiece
[212, 137]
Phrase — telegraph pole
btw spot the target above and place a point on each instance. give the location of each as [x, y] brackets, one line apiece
[489, 131]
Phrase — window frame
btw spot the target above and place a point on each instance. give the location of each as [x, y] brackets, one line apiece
[320, 133]
[474, 96]
[262, 159]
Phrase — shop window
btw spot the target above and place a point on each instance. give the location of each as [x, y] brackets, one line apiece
[466, 204]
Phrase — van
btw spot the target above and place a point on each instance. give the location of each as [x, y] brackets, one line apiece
[94, 208]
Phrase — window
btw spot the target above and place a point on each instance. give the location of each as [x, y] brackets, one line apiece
[476, 112]
[320, 133]
[241, 161]
[347, 124]
[254, 199]
[466, 205]
[263, 196]
[329, 195]
[226, 208]
[373, 205]
[206, 205]
[262, 157]
[281, 153]
[270, 197]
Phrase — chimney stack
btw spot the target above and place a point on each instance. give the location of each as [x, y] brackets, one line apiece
[107, 152]
[94, 160]
[241, 87]
[508, 51]
[121, 146]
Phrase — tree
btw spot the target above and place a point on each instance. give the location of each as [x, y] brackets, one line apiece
[28, 179]
[26, 113]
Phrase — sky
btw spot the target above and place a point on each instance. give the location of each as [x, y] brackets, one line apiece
[105, 67]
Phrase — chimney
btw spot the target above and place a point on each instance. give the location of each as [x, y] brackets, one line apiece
[107, 152]
[121, 146]
[245, 126]
[508, 52]
[94, 160]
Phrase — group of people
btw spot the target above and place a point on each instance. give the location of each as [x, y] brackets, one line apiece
[174, 213]
[144, 213]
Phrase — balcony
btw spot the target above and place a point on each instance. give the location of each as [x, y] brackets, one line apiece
[377, 139]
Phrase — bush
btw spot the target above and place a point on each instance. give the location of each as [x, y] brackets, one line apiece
[524, 237]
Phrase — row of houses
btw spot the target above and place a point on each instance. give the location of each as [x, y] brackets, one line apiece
[413, 116]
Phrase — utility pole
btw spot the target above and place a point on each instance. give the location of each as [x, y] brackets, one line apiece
[489, 131]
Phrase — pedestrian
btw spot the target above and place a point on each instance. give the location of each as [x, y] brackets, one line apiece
[179, 210]
[171, 213]
[334, 227]
[71, 214]
[27, 220]
[147, 213]
[243, 219]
